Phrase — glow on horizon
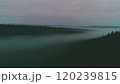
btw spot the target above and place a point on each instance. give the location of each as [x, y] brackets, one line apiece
[60, 12]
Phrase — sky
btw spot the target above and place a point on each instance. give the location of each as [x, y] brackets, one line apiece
[60, 12]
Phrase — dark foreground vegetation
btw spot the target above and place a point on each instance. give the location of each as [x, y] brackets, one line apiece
[15, 30]
[99, 52]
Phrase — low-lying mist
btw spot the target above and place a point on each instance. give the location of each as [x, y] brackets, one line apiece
[27, 42]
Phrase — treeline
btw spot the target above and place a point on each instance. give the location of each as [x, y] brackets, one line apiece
[6, 29]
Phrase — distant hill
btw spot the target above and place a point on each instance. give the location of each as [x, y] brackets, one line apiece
[13, 30]
[103, 26]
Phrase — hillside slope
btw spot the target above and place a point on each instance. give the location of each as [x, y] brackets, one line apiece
[99, 52]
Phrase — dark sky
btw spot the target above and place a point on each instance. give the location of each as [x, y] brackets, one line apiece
[60, 12]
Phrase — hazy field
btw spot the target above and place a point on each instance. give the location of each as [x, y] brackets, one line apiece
[38, 46]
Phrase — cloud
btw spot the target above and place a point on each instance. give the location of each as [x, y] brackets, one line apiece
[56, 10]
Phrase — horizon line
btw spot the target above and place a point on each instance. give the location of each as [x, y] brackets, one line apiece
[60, 25]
